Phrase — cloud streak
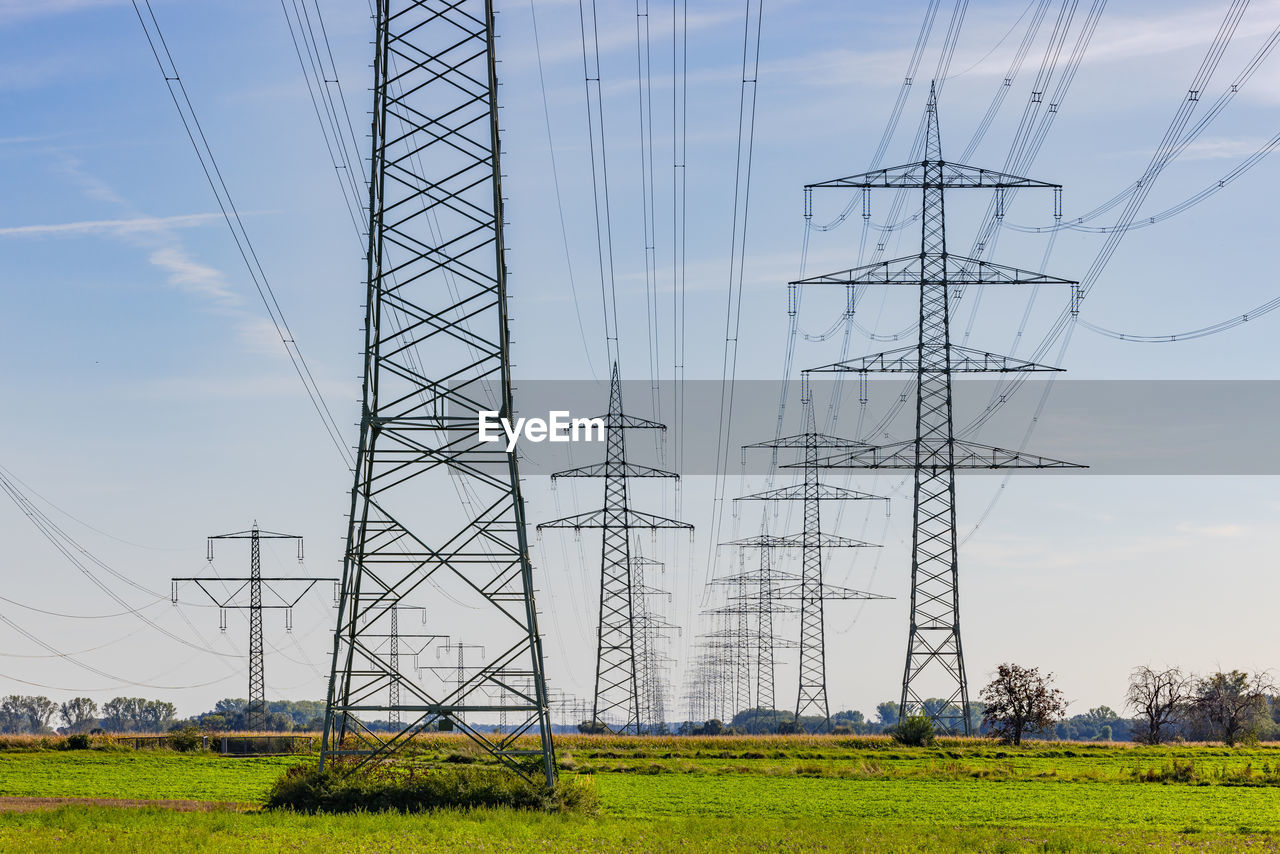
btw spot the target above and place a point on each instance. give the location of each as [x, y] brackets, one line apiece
[111, 227]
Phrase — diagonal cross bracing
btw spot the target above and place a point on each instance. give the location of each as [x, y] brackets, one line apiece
[437, 519]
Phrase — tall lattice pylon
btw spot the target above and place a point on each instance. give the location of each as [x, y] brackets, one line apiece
[437, 518]
[618, 701]
[811, 697]
[935, 658]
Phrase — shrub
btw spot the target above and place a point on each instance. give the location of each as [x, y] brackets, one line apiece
[78, 741]
[915, 731]
[307, 789]
[186, 739]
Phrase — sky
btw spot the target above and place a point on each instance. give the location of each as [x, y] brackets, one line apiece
[150, 403]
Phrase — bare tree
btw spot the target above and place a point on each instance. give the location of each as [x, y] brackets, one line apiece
[1019, 700]
[1158, 697]
[1231, 704]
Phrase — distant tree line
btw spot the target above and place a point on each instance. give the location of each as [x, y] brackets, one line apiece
[282, 715]
[35, 715]
[1166, 705]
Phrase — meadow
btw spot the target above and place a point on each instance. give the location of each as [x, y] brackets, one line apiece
[780, 793]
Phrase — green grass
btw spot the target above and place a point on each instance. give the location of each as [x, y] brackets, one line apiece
[142, 774]
[93, 830]
[720, 794]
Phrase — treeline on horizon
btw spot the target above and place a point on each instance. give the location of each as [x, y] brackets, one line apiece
[1171, 705]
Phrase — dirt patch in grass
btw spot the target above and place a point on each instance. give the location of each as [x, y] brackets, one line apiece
[20, 804]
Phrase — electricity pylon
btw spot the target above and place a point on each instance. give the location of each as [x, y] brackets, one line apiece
[812, 693]
[618, 703]
[395, 642]
[935, 453]
[651, 631]
[754, 594]
[231, 598]
[437, 517]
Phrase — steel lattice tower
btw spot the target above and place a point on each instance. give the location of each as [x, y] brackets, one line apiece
[934, 653]
[617, 702]
[812, 693]
[254, 584]
[437, 518]
[651, 629]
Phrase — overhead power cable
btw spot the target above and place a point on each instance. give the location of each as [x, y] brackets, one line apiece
[751, 38]
[209, 165]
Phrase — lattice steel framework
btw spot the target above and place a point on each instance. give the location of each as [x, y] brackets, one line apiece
[812, 694]
[618, 703]
[651, 633]
[437, 518]
[934, 653]
[227, 593]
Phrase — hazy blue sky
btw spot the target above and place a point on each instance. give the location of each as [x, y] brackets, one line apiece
[148, 399]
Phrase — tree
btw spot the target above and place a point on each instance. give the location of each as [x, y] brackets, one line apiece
[155, 715]
[279, 722]
[122, 714]
[1232, 704]
[1158, 697]
[78, 713]
[887, 713]
[12, 720]
[1019, 700]
[39, 711]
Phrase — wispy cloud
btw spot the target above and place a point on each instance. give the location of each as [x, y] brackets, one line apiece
[1222, 148]
[112, 227]
[189, 275]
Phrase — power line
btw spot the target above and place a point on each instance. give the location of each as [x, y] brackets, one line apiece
[209, 165]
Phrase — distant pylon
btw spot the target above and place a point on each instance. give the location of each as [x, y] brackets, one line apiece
[254, 584]
[934, 654]
[651, 632]
[618, 703]
[812, 694]
[437, 516]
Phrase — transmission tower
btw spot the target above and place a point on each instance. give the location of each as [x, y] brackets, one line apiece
[934, 653]
[230, 596]
[395, 639]
[436, 514]
[755, 595]
[618, 702]
[651, 633]
[812, 693]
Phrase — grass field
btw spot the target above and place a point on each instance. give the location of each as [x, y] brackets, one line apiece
[700, 794]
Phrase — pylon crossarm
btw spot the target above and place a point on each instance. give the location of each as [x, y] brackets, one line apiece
[797, 541]
[965, 455]
[805, 440]
[906, 360]
[629, 519]
[820, 492]
[911, 270]
[916, 176]
[829, 591]
[614, 470]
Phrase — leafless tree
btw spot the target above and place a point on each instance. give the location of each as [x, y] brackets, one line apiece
[1019, 700]
[1158, 697]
